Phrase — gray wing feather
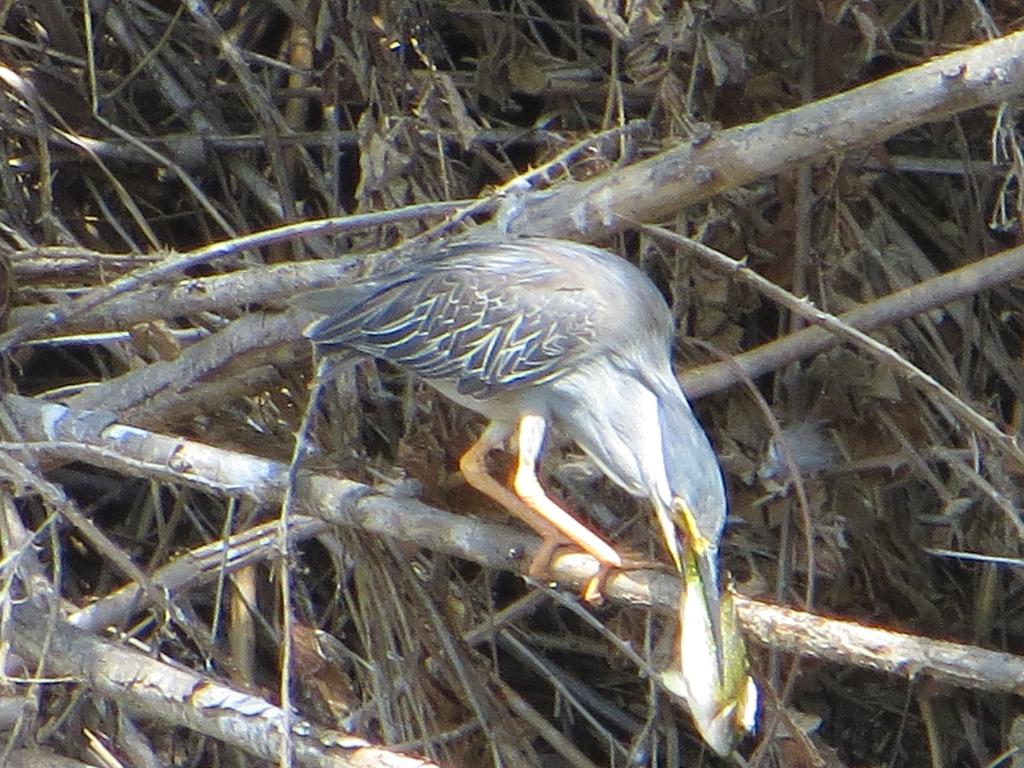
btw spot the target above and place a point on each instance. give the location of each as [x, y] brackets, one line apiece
[485, 324]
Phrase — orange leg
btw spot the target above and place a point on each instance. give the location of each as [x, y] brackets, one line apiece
[531, 505]
[474, 468]
[531, 439]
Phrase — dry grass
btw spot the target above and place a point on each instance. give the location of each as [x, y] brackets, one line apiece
[134, 141]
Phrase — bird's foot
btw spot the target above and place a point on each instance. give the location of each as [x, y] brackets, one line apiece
[593, 592]
[640, 563]
[540, 565]
[540, 568]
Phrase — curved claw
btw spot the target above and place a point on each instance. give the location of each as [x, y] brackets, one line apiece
[593, 592]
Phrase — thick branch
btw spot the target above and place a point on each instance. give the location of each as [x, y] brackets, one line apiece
[657, 188]
[183, 698]
[66, 433]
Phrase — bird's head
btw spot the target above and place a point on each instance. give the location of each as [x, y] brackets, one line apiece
[711, 668]
[689, 500]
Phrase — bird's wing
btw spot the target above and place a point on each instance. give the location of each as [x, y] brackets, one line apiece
[485, 324]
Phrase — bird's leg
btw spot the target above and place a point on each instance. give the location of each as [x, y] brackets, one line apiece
[527, 486]
[474, 469]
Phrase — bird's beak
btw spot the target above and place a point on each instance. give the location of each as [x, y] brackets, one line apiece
[702, 555]
[710, 670]
[723, 704]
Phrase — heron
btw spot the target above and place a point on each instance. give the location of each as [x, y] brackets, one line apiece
[538, 332]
